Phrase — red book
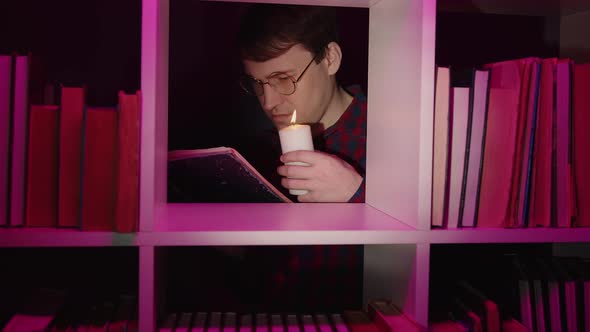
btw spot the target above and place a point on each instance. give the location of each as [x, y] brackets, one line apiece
[41, 193]
[508, 100]
[98, 170]
[581, 118]
[389, 318]
[447, 326]
[562, 178]
[127, 191]
[513, 325]
[70, 156]
[5, 91]
[540, 213]
[359, 321]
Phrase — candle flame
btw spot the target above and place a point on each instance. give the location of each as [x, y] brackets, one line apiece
[294, 117]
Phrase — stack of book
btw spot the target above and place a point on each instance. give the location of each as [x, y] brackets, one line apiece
[52, 310]
[65, 164]
[510, 145]
[381, 316]
[533, 293]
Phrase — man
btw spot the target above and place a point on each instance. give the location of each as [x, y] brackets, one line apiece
[290, 56]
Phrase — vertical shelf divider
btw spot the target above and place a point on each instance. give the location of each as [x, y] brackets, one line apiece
[154, 116]
[400, 101]
[147, 314]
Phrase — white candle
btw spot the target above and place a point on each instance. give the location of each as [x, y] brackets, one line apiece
[296, 137]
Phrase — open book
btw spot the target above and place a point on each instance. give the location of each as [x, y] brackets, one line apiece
[219, 175]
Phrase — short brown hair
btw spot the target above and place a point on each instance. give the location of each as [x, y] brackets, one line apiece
[269, 30]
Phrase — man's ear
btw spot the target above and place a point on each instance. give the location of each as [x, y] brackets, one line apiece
[333, 57]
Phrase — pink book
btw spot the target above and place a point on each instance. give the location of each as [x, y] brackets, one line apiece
[41, 171]
[261, 323]
[359, 321]
[513, 325]
[292, 323]
[70, 155]
[245, 324]
[581, 134]
[308, 324]
[338, 323]
[441, 146]
[447, 326]
[127, 191]
[474, 148]
[507, 101]
[563, 205]
[229, 322]
[389, 318]
[527, 142]
[322, 323]
[276, 323]
[199, 322]
[169, 323]
[541, 188]
[98, 170]
[20, 112]
[460, 116]
[5, 90]
[214, 324]
[184, 322]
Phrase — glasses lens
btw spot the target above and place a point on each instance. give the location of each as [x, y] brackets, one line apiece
[251, 86]
[282, 85]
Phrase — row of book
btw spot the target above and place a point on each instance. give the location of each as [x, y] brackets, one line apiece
[510, 145]
[65, 164]
[53, 310]
[533, 293]
[381, 316]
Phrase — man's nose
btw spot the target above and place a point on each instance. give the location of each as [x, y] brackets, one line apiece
[271, 98]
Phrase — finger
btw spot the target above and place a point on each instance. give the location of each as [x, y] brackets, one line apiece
[294, 171]
[295, 183]
[307, 198]
[301, 155]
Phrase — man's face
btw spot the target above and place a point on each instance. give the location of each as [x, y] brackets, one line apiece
[312, 92]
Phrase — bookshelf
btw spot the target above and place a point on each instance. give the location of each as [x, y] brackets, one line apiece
[394, 223]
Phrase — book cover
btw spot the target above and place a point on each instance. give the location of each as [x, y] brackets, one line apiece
[41, 171]
[540, 199]
[19, 130]
[5, 92]
[388, 318]
[474, 148]
[441, 147]
[508, 98]
[460, 114]
[217, 175]
[98, 169]
[563, 211]
[581, 138]
[127, 182]
[70, 155]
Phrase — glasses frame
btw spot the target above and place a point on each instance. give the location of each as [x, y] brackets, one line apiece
[262, 83]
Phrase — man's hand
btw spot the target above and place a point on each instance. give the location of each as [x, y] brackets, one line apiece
[327, 178]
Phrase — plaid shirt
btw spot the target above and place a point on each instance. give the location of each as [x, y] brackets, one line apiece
[318, 278]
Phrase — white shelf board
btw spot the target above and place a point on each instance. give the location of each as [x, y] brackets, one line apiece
[277, 224]
[335, 3]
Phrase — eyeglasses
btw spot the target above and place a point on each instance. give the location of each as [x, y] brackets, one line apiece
[281, 84]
